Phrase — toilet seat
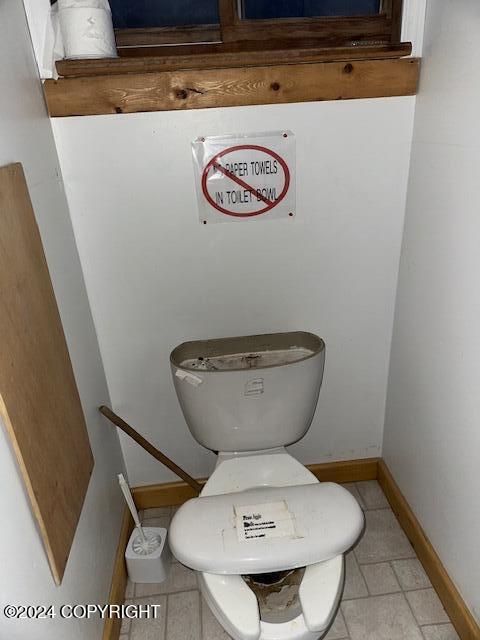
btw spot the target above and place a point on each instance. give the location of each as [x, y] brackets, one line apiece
[266, 529]
[235, 605]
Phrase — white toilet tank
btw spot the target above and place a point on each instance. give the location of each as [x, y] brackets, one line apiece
[249, 393]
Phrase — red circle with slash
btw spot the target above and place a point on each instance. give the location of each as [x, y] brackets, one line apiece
[215, 164]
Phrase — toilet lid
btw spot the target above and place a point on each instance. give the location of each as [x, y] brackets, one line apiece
[265, 529]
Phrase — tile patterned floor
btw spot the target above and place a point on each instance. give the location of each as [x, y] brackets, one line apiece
[387, 594]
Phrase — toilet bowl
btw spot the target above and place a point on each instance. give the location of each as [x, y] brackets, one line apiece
[228, 595]
[236, 608]
[262, 516]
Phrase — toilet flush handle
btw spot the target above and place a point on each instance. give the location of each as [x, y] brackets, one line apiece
[191, 378]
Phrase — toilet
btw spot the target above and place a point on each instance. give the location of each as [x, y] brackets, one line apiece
[265, 536]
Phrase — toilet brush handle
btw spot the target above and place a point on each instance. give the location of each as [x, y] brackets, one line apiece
[129, 500]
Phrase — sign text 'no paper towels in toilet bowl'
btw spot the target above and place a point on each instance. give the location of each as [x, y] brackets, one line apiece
[245, 177]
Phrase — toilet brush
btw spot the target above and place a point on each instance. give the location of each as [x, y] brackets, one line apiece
[142, 545]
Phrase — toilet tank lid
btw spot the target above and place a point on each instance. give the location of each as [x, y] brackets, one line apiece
[265, 529]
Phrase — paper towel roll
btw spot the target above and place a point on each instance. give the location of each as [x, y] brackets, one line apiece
[87, 32]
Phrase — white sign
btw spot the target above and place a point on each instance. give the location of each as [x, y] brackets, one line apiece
[263, 521]
[248, 177]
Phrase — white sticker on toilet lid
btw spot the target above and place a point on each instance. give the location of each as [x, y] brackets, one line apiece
[263, 521]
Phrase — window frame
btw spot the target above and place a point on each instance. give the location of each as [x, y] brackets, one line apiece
[236, 33]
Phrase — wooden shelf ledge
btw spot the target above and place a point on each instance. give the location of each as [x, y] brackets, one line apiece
[218, 56]
[231, 87]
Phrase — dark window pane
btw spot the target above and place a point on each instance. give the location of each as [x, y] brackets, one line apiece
[257, 9]
[141, 14]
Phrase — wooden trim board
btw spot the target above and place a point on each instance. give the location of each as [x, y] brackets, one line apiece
[175, 493]
[170, 59]
[345, 471]
[163, 495]
[207, 88]
[257, 53]
[111, 628]
[457, 610]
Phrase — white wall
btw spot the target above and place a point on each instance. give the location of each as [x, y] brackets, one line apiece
[41, 33]
[25, 578]
[432, 434]
[156, 277]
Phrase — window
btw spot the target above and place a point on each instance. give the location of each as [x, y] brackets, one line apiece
[157, 13]
[144, 14]
[241, 25]
[262, 9]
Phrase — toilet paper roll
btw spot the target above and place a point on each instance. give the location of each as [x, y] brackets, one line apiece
[83, 4]
[87, 32]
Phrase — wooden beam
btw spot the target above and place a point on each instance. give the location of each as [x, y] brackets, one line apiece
[225, 59]
[195, 89]
[457, 610]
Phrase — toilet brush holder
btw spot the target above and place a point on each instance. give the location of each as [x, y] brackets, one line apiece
[148, 560]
